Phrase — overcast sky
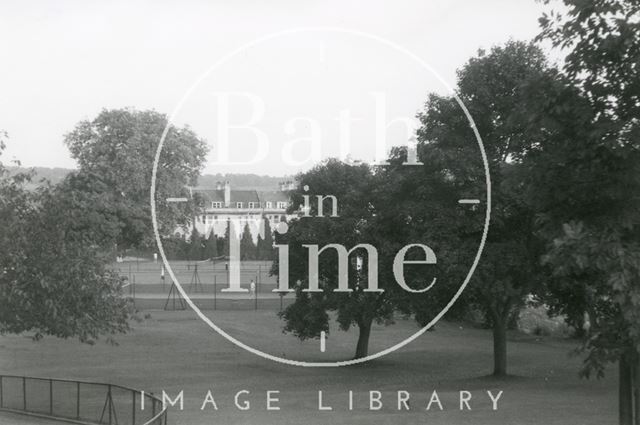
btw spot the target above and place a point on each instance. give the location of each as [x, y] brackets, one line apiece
[64, 61]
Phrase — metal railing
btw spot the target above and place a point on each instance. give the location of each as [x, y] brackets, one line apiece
[80, 401]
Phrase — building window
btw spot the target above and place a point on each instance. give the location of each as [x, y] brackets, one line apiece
[269, 204]
[216, 205]
[252, 204]
[238, 204]
[282, 205]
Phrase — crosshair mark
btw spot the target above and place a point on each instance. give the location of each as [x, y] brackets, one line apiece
[468, 201]
[177, 200]
[323, 341]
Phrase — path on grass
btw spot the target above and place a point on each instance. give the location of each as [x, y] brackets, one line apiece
[7, 418]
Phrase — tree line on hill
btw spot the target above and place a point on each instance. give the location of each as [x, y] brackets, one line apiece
[47, 175]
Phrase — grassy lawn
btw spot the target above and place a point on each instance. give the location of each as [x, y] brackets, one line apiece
[17, 419]
[175, 351]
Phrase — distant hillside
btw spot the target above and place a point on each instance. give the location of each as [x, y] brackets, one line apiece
[54, 175]
[252, 181]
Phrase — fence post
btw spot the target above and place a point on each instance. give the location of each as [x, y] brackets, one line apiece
[133, 414]
[109, 402]
[51, 397]
[24, 393]
[256, 302]
[1, 402]
[78, 400]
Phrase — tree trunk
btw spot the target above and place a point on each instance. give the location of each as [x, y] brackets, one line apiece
[362, 349]
[499, 347]
[625, 390]
[636, 387]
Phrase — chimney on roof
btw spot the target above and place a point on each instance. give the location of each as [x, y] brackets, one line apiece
[283, 186]
[292, 185]
[218, 186]
[227, 193]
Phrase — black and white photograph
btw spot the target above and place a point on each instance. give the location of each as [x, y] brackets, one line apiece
[316, 212]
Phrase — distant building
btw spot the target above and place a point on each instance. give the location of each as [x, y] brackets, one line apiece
[241, 206]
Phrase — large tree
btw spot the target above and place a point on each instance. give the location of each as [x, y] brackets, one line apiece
[54, 274]
[117, 149]
[352, 185]
[509, 92]
[589, 192]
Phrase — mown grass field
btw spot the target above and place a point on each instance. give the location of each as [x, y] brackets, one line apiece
[18, 419]
[175, 351]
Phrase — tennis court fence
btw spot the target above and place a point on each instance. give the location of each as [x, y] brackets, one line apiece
[80, 402]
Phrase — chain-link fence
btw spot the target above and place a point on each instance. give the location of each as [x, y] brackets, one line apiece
[80, 401]
[150, 286]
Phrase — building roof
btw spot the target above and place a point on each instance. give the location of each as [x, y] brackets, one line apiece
[273, 196]
[210, 195]
[245, 196]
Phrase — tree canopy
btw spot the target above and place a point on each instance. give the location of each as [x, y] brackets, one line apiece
[308, 315]
[117, 150]
[54, 274]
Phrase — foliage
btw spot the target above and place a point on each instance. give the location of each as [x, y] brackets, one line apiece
[248, 249]
[54, 275]
[507, 91]
[118, 149]
[589, 195]
[196, 245]
[211, 246]
[307, 316]
[265, 245]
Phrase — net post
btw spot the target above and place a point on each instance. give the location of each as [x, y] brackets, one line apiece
[24, 393]
[109, 401]
[133, 411]
[51, 397]
[78, 400]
